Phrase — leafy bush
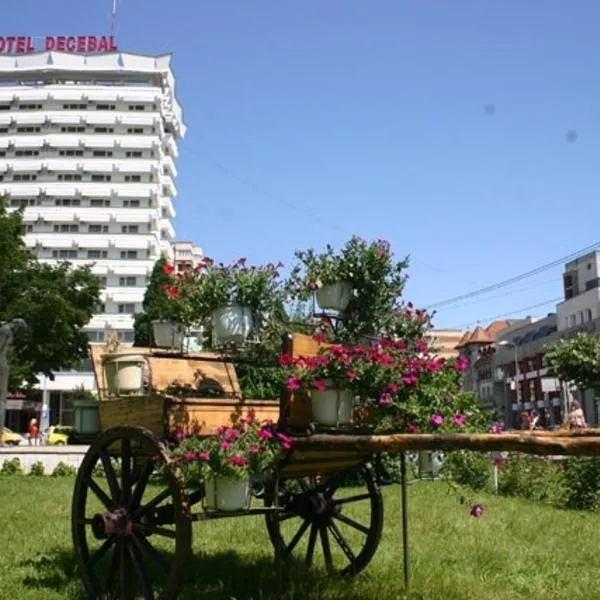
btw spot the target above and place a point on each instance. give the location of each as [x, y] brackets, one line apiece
[37, 469]
[531, 477]
[12, 467]
[64, 470]
[468, 468]
[581, 478]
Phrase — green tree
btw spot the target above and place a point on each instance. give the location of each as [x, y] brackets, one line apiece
[155, 305]
[55, 301]
[577, 360]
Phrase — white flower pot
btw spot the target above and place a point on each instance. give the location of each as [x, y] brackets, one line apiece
[226, 493]
[168, 334]
[334, 296]
[232, 324]
[124, 373]
[332, 407]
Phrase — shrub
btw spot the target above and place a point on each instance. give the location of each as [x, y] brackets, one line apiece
[581, 478]
[468, 468]
[63, 470]
[531, 477]
[12, 467]
[37, 469]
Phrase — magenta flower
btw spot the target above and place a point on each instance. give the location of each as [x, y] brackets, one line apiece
[409, 380]
[203, 456]
[252, 449]
[293, 383]
[462, 363]
[385, 399]
[392, 388]
[496, 428]
[477, 510]
[225, 445]
[459, 420]
[352, 375]
[320, 385]
[412, 428]
[436, 420]
[232, 434]
[286, 442]
[265, 434]
[238, 461]
[180, 434]
[189, 456]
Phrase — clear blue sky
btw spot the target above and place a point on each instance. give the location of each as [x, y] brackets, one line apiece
[311, 120]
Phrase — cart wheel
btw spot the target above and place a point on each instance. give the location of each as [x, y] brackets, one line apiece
[132, 535]
[346, 521]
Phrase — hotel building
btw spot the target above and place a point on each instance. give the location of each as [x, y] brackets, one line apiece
[87, 147]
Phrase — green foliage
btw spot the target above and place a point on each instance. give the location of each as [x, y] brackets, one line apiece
[582, 483]
[55, 301]
[576, 359]
[63, 470]
[37, 469]
[12, 467]
[471, 469]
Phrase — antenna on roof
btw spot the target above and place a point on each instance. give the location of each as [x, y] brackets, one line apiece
[113, 18]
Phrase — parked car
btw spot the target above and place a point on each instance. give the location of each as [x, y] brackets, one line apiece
[58, 435]
[11, 438]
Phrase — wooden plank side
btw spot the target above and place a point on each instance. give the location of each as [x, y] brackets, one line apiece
[204, 415]
[305, 345]
[141, 411]
[204, 369]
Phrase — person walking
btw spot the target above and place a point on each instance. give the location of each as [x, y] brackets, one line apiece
[33, 432]
[576, 418]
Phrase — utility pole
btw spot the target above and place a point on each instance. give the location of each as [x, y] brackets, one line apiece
[7, 333]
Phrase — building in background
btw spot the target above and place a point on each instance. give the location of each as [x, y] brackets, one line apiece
[445, 341]
[87, 147]
[186, 255]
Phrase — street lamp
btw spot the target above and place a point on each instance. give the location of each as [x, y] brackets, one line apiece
[508, 344]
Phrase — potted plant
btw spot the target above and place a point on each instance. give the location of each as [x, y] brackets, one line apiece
[230, 462]
[123, 370]
[171, 306]
[363, 282]
[237, 298]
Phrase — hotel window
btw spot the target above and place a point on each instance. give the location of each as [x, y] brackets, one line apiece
[95, 336]
[97, 254]
[102, 153]
[97, 203]
[105, 107]
[28, 129]
[103, 130]
[588, 314]
[70, 153]
[67, 202]
[131, 203]
[128, 254]
[72, 129]
[74, 106]
[127, 281]
[127, 309]
[97, 228]
[126, 336]
[19, 153]
[133, 178]
[64, 253]
[24, 177]
[135, 130]
[132, 154]
[101, 280]
[98, 178]
[69, 177]
[130, 229]
[65, 228]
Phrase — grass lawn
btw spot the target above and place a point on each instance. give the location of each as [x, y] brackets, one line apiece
[517, 550]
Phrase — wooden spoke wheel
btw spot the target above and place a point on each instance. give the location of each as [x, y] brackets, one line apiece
[131, 525]
[345, 522]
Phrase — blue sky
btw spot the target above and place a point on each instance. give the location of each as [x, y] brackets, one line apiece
[311, 120]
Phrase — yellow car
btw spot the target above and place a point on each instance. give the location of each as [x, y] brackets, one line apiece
[58, 435]
[11, 438]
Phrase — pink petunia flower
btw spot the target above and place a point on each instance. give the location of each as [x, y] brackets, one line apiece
[476, 510]
[436, 420]
[320, 385]
[459, 419]
[293, 383]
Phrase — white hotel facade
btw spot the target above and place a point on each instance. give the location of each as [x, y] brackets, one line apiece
[87, 147]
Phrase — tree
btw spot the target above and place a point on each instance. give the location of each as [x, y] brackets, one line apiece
[155, 304]
[577, 359]
[55, 301]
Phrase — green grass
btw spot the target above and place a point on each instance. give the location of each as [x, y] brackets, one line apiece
[517, 550]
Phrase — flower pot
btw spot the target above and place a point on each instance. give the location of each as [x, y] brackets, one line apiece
[226, 493]
[334, 296]
[124, 373]
[430, 463]
[332, 407]
[168, 334]
[232, 324]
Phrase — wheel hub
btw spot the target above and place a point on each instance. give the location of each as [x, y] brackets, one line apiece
[113, 522]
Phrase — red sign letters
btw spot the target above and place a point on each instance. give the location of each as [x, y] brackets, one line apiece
[20, 44]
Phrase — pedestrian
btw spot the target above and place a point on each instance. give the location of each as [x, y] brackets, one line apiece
[576, 417]
[33, 432]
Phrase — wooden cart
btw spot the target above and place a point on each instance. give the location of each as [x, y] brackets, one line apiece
[132, 531]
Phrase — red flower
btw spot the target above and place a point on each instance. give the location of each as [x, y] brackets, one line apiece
[319, 338]
[293, 383]
[285, 360]
[352, 375]
[320, 385]
[168, 269]
[171, 291]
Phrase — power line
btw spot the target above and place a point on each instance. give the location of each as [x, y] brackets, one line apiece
[513, 312]
[516, 278]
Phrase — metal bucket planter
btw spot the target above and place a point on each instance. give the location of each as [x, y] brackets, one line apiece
[124, 373]
[228, 494]
[232, 324]
[168, 335]
[334, 296]
[332, 407]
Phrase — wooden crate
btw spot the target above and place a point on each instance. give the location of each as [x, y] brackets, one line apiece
[162, 412]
